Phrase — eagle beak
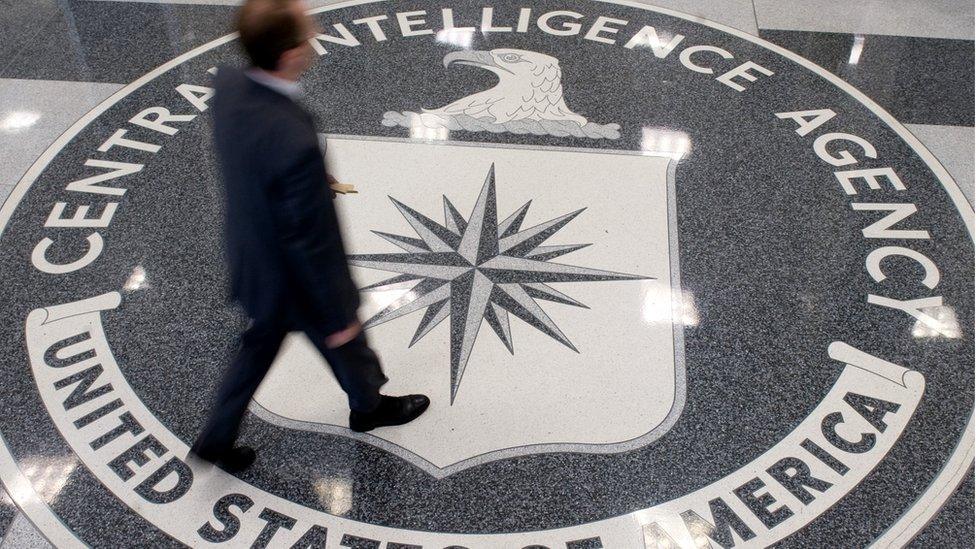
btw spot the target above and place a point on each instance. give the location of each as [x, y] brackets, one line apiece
[474, 58]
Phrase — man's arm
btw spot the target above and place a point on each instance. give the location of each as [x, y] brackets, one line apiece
[309, 231]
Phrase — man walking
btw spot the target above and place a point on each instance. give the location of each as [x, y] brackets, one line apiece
[287, 263]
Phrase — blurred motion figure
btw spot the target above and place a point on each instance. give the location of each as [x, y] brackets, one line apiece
[286, 257]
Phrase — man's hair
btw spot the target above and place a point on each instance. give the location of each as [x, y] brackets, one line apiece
[268, 28]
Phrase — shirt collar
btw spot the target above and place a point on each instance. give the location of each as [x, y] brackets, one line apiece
[288, 88]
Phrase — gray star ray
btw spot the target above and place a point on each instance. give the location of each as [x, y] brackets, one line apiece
[453, 219]
[518, 302]
[432, 317]
[505, 269]
[442, 265]
[545, 253]
[542, 291]
[513, 223]
[480, 238]
[497, 318]
[440, 272]
[388, 282]
[525, 241]
[436, 236]
[414, 245]
[424, 294]
[439, 259]
[469, 299]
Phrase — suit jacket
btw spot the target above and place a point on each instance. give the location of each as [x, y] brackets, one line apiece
[285, 252]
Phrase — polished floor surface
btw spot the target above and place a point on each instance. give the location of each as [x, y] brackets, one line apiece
[683, 273]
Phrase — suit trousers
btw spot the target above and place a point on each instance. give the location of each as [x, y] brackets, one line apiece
[355, 366]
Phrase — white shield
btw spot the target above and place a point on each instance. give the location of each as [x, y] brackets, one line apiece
[622, 386]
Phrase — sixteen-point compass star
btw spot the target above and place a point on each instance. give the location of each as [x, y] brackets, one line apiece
[478, 269]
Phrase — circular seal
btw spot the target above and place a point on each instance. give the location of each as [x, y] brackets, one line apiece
[709, 293]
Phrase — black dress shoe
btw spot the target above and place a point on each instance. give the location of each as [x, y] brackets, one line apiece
[234, 460]
[391, 411]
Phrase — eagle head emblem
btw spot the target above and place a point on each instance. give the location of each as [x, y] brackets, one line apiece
[528, 98]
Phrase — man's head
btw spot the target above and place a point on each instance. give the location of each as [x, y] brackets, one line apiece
[275, 35]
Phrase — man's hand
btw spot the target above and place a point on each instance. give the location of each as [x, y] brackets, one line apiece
[337, 187]
[342, 337]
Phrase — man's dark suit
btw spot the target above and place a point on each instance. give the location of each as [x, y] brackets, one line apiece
[286, 257]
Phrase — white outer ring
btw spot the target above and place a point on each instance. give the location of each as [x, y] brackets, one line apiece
[903, 530]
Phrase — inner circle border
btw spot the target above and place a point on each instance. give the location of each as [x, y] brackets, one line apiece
[904, 529]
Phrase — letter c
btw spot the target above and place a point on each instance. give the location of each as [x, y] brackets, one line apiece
[829, 429]
[687, 53]
[874, 259]
[41, 263]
